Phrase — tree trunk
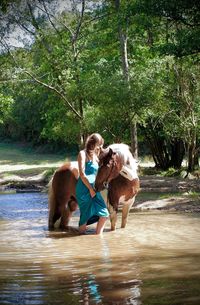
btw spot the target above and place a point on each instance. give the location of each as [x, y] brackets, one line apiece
[165, 154]
[134, 142]
[196, 159]
[159, 151]
[191, 154]
[123, 39]
[177, 153]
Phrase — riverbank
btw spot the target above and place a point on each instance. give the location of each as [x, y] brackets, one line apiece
[23, 168]
[28, 171]
[158, 193]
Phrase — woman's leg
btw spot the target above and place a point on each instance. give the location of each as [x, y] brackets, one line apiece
[101, 225]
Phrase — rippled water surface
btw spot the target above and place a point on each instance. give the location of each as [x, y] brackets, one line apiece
[155, 260]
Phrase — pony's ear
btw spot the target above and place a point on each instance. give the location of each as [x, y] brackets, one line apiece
[115, 156]
[110, 153]
[104, 152]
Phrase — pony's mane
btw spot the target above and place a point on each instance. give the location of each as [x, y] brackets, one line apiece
[125, 155]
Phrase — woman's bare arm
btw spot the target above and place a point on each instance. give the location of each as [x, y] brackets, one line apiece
[81, 166]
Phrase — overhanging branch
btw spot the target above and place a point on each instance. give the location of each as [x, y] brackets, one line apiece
[56, 91]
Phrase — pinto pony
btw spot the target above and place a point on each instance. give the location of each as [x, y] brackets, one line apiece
[62, 199]
[118, 173]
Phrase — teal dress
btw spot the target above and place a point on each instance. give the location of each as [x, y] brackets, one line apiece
[90, 208]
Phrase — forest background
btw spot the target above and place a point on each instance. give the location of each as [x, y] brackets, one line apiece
[126, 69]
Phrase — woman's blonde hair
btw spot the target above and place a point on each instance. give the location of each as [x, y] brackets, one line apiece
[92, 141]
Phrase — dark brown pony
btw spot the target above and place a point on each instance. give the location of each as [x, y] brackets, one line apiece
[118, 172]
[62, 199]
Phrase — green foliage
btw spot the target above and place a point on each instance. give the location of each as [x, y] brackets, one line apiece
[181, 24]
[171, 172]
[78, 85]
[58, 124]
[6, 105]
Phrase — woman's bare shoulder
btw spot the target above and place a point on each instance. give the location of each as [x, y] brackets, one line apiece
[82, 154]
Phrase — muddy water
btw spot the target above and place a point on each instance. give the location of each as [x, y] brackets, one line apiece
[155, 260]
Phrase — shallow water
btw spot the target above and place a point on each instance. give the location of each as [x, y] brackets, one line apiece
[155, 260]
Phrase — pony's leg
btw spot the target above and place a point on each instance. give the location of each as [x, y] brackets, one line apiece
[113, 220]
[66, 215]
[52, 209]
[50, 223]
[50, 220]
[113, 217]
[125, 211]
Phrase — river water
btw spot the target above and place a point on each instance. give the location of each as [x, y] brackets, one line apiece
[155, 260]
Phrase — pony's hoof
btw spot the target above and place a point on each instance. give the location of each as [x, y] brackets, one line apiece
[113, 229]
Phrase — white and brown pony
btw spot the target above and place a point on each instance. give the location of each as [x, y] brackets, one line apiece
[118, 173]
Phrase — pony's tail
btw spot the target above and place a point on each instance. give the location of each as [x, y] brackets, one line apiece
[53, 209]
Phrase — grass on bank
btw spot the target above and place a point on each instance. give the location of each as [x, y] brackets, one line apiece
[149, 196]
[22, 163]
[24, 160]
[170, 172]
[11, 153]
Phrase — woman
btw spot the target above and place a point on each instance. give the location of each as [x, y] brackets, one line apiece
[91, 204]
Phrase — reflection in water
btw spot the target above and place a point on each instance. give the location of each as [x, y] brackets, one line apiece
[155, 260]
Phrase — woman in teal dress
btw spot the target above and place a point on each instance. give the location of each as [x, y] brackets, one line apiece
[91, 204]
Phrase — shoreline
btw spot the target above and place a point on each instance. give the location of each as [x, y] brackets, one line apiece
[168, 194]
[25, 170]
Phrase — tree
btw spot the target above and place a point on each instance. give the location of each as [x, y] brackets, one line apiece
[103, 69]
[179, 22]
[66, 32]
[187, 112]
[6, 104]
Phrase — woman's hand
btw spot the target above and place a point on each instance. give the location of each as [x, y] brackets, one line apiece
[92, 192]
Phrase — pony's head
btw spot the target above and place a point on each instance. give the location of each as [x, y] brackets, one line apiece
[108, 169]
[111, 161]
